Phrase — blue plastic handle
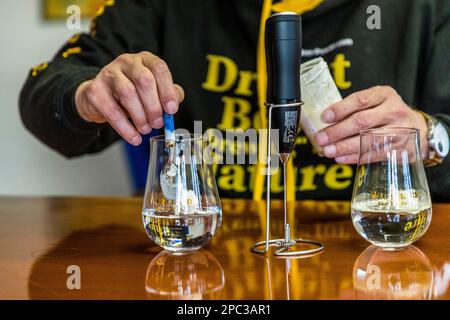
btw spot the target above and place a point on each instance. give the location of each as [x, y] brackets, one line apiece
[169, 126]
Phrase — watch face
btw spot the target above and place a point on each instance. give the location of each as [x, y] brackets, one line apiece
[440, 141]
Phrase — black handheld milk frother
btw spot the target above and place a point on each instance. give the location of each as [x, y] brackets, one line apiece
[283, 38]
[283, 57]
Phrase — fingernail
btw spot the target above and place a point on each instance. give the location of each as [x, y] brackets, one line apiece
[171, 107]
[158, 123]
[341, 159]
[328, 116]
[322, 139]
[330, 151]
[146, 129]
[136, 141]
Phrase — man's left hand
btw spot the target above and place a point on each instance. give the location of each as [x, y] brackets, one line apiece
[377, 107]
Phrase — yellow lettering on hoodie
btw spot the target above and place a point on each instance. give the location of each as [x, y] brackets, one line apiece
[309, 176]
[339, 65]
[246, 79]
[71, 51]
[40, 67]
[100, 11]
[213, 82]
[335, 173]
[74, 38]
[232, 178]
[235, 114]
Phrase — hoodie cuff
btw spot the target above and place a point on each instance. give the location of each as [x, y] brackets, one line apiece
[66, 110]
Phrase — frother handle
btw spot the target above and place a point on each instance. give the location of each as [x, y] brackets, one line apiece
[283, 56]
[286, 71]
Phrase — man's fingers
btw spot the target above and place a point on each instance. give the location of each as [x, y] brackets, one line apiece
[355, 102]
[104, 102]
[145, 84]
[348, 159]
[342, 148]
[353, 125]
[375, 151]
[118, 120]
[356, 158]
[139, 86]
[164, 82]
[180, 93]
[85, 108]
[125, 93]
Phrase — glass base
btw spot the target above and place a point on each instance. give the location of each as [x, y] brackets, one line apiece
[181, 250]
[391, 246]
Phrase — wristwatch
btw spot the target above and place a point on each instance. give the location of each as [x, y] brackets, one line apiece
[438, 141]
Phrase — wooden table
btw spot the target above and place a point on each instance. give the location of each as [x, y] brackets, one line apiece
[50, 244]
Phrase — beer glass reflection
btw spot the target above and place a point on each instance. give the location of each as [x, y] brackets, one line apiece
[189, 276]
[393, 275]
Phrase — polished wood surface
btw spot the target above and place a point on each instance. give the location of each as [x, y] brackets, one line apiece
[40, 238]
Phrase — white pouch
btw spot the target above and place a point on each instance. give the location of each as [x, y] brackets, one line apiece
[318, 92]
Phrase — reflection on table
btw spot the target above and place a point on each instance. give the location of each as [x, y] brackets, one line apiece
[188, 276]
[403, 274]
[41, 238]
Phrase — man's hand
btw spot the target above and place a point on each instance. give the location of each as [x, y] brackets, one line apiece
[376, 107]
[136, 86]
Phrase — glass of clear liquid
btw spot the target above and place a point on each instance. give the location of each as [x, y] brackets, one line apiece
[391, 204]
[182, 208]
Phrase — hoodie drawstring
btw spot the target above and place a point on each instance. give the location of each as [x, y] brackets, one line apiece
[261, 87]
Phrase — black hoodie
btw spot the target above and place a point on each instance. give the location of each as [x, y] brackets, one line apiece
[212, 48]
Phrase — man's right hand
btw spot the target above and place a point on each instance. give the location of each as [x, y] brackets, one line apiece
[136, 86]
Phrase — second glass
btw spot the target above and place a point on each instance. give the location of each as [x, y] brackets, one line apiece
[391, 205]
[181, 206]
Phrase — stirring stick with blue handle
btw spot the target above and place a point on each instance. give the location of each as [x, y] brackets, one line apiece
[169, 127]
[170, 171]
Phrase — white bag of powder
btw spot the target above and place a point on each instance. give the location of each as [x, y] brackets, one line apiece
[319, 91]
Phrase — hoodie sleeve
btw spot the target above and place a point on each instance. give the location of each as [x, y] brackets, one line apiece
[47, 104]
[435, 98]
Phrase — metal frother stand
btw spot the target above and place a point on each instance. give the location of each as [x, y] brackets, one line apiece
[283, 54]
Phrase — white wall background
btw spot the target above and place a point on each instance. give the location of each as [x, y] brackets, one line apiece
[28, 167]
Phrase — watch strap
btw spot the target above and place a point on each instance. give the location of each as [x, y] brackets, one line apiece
[433, 159]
